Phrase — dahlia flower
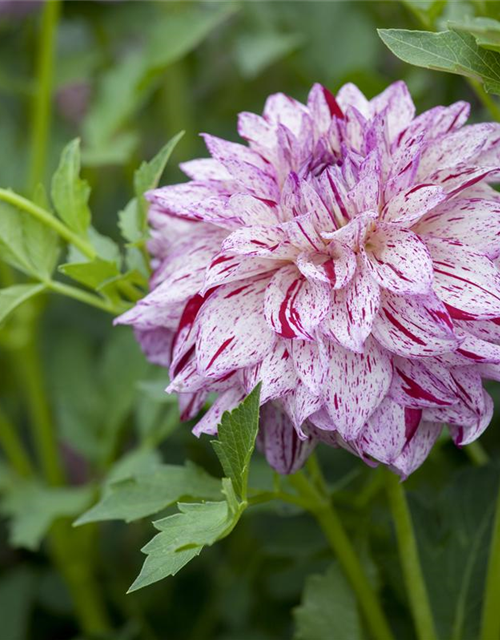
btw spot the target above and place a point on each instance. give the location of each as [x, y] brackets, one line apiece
[346, 258]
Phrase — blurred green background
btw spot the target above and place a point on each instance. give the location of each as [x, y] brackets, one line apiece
[128, 76]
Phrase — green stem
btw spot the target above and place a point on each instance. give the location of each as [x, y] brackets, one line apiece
[85, 297]
[47, 218]
[490, 629]
[70, 552]
[41, 420]
[408, 553]
[320, 506]
[42, 107]
[477, 454]
[13, 447]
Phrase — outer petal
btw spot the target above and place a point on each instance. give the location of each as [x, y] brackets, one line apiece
[268, 242]
[227, 401]
[156, 345]
[415, 384]
[354, 385]
[417, 449]
[400, 110]
[276, 372]
[466, 280]
[253, 211]
[398, 260]
[228, 324]
[388, 430]
[281, 109]
[299, 404]
[463, 435]
[353, 312]
[415, 326]
[226, 268]
[474, 222]
[307, 363]
[350, 96]
[204, 201]
[285, 451]
[295, 306]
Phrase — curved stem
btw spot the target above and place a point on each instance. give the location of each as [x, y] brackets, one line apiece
[320, 506]
[490, 628]
[408, 553]
[48, 219]
[43, 95]
[486, 100]
[13, 447]
[85, 297]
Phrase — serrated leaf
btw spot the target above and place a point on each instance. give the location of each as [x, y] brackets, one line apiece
[182, 537]
[148, 176]
[69, 192]
[452, 51]
[146, 493]
[328, 609]
[26, 243]
[236, 440]
[33, 508]
[92, 274]
[128, 222]
[14, 296]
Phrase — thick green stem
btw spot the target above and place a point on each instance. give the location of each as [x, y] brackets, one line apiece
[408, 552]
[320, 506]
[490, 629]
[41, 421]
[486, 100]
[42, 107]
[49, 220]
[13, 447]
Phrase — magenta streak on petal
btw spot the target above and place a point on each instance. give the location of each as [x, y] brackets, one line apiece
[183, 361]
[392, 267]
[223, 346]
[314, 246]
[332, 103]
[414, 390]
[189, 314]
[412, 420]
[469, 354]
[458, 314]
[441, 316]
[403, 329]
[286, 329]
[329, 268]
[451, 275]
[338, 199]
[221, 259]
[237, 291]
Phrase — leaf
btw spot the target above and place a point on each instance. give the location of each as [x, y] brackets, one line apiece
[255, 52]
[69, 192]
[128, 84]
[26, 243]
[236, 440]
[34, 507]
[485, 30]
[17, 596]
[14, 296]
[455, 52]
[92, 274]
[182, 537]
[328, 609]
[454, 532]
[146, 493]
[148, 176]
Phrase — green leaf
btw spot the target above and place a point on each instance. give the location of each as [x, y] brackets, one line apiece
[146, 493]
[26, 243]
[452, 51]
[236, 440]
[14, 296]
[92, 274]
[255, 52]
[34, 507]
[148, 176]
[485, 30]
[182, 537]
[328, 609]
[70, 194]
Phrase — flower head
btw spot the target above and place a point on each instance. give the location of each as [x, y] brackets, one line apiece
[346, 257]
